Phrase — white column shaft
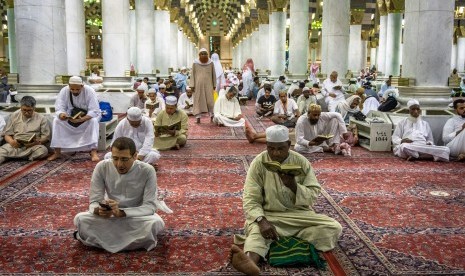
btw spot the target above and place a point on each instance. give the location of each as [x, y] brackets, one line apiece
[12, 56]
[181, 50]
[255, 45]
[162, 44]
[381, 58]
[355, 48]
[461, 54]
[264, 47]
[298, 41]
[145, 41]
[174, 46]
[373, 57]
[75, 36]
[393, 41]
[453, 58]
[278, 43]
[133, 39]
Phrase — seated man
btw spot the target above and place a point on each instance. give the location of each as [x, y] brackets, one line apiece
[315, 123]
[348, 108]
[280, 205]
[333, 91]
[139, 99]
[153, 105]
[126, 220]
[186, 102]
[76, 134]
[95, 80]
[173, 137]
[140, 129]
[227, 111]
[296, 93]
[265, 104]
[413, 138]
[453, 134]
[285, 111]
[308, 97]
[25, 123]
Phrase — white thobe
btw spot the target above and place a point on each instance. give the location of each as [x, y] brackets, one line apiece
[420, 133]
[143, 136]
[456, 143]
[85, 136]
[328, 87]
[278, 87]
[329, 123]
[291, 108]
[369, 104]
[225, 110]
[182, 103]
[247, 81]
[136, 192]
[303, 102]
[161, 106]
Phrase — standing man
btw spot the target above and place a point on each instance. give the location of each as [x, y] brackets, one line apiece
[332, 91]
[82, 133]
[453, 134]
[175, 138]
[202, 83]
[123, 193]
[280, 205]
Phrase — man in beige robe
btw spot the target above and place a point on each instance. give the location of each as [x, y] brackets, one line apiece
[280, 205]
[175, 139]
[25, 123]
[202, 83]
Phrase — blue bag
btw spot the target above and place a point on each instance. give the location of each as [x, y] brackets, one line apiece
[107, 111]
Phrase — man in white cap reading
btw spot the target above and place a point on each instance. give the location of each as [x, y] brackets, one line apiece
[413, 139]
[227, 110]
[332, 91]
[140, 129]
[76, 127]
[171, 126]
[278, 204]
[453, 134]
[186, 101]
[139, 99]
[202, 83]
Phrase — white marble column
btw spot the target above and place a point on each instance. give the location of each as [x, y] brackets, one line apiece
[181, 51]
[239, 55]
[40, 41]
[12, 57]
[461, 54]
[381, 58]
[174, 46]
[162, 45]
[335, 36]
[355, 49]
[255, 42]
[75, 36]
[264, 47]
[278, 43]
[145, 41]
[427, 41]
[393, 41]
[133, 39]
[298, 42]
[453, 58]
[115, 37]
[373, 57]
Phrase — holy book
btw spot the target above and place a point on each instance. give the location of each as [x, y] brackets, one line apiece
[188, 105]
[24, 138]
[290, 169]
[163, 130]
[77, 115]
[152, 105]
[322, 137]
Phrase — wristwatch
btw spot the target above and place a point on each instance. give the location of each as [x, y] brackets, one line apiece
[260, 218]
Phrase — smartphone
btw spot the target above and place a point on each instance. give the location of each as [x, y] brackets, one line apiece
[105, 206]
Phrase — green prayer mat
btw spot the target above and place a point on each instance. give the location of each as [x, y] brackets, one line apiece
[291, 251]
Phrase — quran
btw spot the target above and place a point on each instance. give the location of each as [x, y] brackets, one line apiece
[152, 105]
[25, 138]
[163, 130]
[77, 115]
[290, 169]
[188, 105]
[321, 138]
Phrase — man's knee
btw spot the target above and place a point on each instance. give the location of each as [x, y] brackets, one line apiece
[39, 152]
[181, 140]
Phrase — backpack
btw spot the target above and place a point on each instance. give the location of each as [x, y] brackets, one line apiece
[107, 111]
[388, 105]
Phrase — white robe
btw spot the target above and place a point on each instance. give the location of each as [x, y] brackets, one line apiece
[136, 192]
[182, 103]
[420, 133]
[370, 104]
[328, 87]
[143, 136]
[247, 81]
[85, 136]
[456, 143]
[291, 108]
[161, 106]
[225, 110]
[329, 123]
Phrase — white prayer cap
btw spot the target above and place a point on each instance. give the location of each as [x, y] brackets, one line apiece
[171, 100]
[142, 86]
[277, 134]
[162, 85]
[203, 50]
[295, 81]
[75, 80]
[183, 68]
[151, 91]
[134, 114]
[188, 88]
[412, 102]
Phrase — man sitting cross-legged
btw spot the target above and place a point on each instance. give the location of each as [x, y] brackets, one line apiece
[286, 112]
[453, 134]
[123, 194]
[140, 129]
[315, 123]
[186, 101]
[413, 138]
[172, 136]
[265, 104]
[227, 111]
[25, 123]
[280, 205]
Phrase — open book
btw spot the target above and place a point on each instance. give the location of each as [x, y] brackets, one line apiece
[25, 138]
[188, 105]
[163, 130]
[290, 169]
[152, 105]
[77, 115]
[321, 138]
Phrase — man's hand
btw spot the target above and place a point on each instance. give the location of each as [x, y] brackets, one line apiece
[78, 120]
[406, 140]
[115, 208]
[332, 95]
[172, 132]
[35, 143]
[268, 230]
[288, 181]
[15, 144]
[63, 116]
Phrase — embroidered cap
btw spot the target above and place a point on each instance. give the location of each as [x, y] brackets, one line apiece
[171, 100]
[134, 114]
[75, 80]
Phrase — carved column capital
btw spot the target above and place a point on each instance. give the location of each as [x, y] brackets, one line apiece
[174, 12]
[395, 6]
[356, 16]
[382, 9]
[162, 4]
[263, 16]
[278, 5]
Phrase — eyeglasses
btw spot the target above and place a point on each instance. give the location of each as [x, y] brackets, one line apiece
[122, 159]
[27, 110]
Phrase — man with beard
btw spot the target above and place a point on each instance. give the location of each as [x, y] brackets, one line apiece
[186, 101]
[308, 97]
[413, 138]
[453, 134]
[171, 138]
[280, 205]
[333, 91]
[285, 111]
[202, 83]
[315, 123]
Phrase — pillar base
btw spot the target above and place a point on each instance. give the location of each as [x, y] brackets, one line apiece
[300, 77]
[429, 97]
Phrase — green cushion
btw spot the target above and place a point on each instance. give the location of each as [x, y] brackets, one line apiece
[291, 251]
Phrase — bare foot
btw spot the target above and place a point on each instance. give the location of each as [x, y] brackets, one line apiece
[461, 157]
[410, 158]
[94, 156]
[54, 156]
[249, 132]
[242, 263]
[176, 147]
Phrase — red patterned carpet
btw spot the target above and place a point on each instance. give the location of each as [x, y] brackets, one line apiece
[393, 224]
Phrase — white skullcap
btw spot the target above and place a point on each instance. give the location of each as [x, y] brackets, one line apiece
[203, 50]
[412, 102]
[151, 91]
[75, 80]
[171, 100]
[134, 114]
[183, 68]
[142, 86]
[162, 85]
[188, 88]
[295, 81]
[277, 134]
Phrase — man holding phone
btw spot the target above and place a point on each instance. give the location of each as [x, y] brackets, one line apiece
[127, 219]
